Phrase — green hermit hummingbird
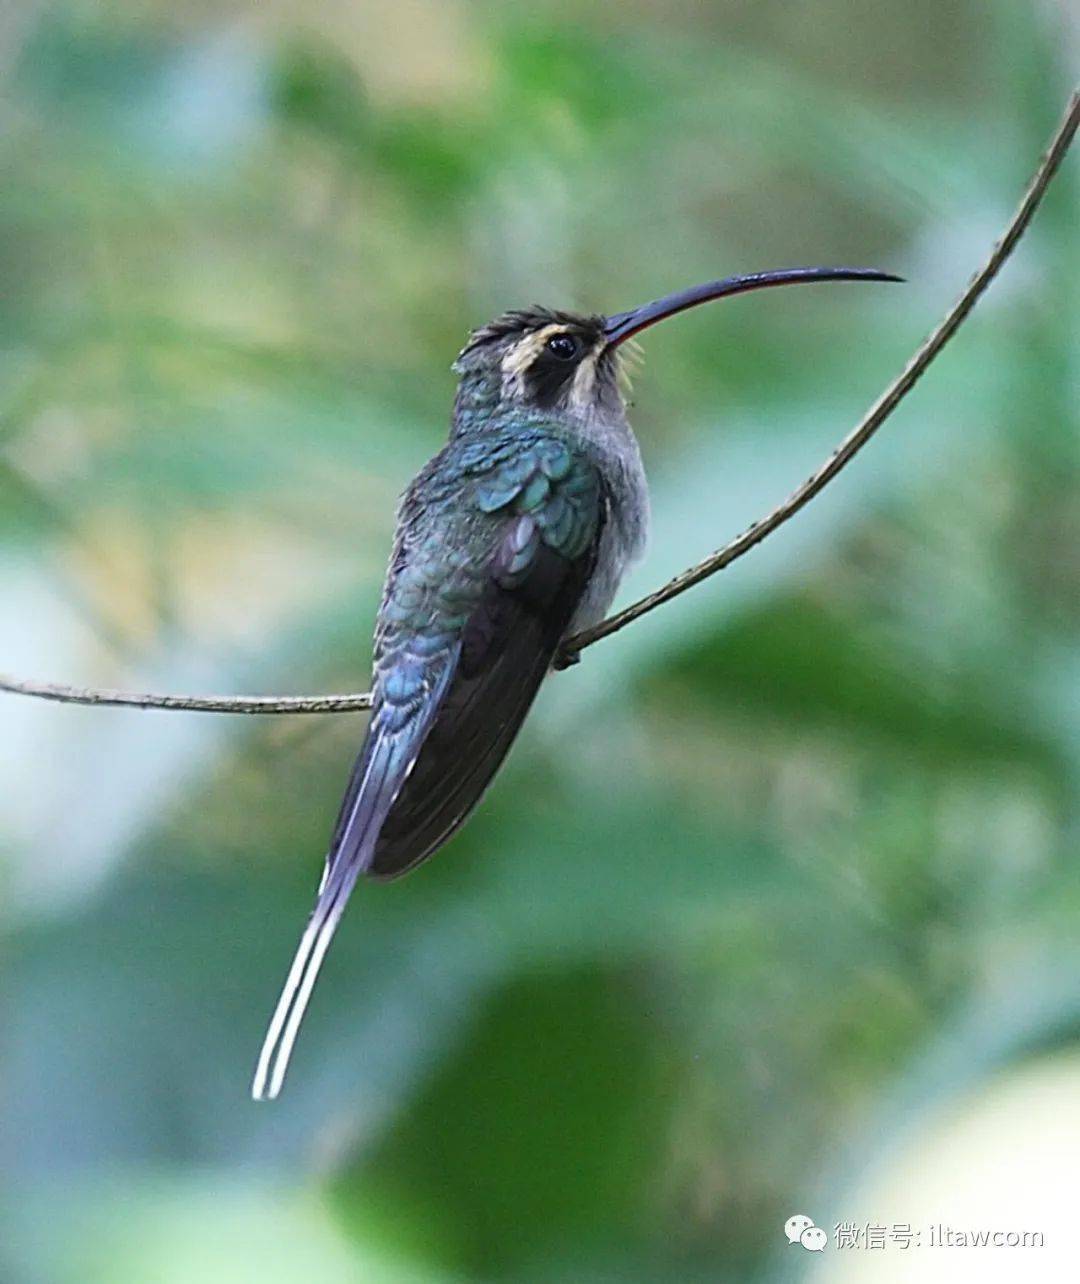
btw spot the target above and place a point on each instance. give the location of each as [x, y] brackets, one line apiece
[511, 539]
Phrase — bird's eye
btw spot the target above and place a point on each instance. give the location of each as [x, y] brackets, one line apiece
[563, 346]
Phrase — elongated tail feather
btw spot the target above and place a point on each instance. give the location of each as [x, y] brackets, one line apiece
[285, 1023]
[384, 765]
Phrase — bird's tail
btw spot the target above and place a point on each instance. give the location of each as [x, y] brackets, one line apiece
[376, 778]
[285, 1024]
[387, 758]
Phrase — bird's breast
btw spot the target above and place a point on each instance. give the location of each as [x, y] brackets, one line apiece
[626, 525]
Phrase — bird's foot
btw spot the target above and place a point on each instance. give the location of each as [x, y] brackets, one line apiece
[565, 659]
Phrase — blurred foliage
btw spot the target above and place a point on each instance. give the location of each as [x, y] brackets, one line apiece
[753, 858]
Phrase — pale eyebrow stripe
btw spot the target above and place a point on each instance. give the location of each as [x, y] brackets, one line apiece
[521, 355]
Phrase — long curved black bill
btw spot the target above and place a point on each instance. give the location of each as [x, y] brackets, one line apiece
[624, 325]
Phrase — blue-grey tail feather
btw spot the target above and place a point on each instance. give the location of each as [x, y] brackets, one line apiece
[382, 768]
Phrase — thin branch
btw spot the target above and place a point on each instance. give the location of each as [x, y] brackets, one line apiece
[195, 704]
[844, 453]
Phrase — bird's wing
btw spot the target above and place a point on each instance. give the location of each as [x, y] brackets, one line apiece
[550, 509]
[494, 547]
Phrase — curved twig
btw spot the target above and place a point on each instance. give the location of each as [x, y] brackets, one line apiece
[874, 417]
[928, 350]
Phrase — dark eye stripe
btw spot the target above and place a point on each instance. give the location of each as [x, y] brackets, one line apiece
[549, 376]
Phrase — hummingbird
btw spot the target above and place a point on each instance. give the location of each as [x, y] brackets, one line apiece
[511, 539]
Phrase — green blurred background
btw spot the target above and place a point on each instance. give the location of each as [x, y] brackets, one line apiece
[774, 908]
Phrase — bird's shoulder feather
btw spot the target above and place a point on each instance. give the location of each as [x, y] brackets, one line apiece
[481, 509]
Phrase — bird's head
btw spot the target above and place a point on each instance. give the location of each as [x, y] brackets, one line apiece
[569, 363]
[539, 359]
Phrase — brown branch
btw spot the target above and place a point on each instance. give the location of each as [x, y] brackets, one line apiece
[844, 453]
[197, 704]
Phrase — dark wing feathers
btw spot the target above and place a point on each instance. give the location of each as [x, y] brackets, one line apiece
[505, 581]
[507, 648]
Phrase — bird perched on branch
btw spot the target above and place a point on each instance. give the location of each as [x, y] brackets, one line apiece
[511, 539]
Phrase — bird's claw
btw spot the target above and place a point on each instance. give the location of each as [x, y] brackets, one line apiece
[565, 659]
